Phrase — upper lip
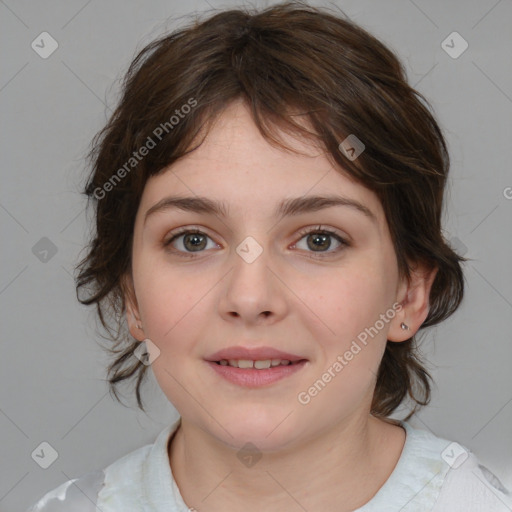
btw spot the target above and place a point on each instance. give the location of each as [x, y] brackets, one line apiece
[252, 354]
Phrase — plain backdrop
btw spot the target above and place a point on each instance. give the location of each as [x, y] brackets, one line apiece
[53, 385]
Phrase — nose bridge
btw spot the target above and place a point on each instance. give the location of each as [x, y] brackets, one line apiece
[252, 290]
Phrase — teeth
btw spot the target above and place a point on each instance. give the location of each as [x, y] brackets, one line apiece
[262, 364]
[243, 363]
[259, 365]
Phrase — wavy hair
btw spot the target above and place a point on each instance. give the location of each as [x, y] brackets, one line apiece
[290, 62]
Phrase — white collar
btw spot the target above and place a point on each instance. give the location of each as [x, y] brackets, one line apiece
[146, 475]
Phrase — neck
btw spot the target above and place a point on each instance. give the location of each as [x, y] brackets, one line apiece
[340, 469]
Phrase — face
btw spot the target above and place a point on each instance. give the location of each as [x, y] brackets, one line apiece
[307, 283]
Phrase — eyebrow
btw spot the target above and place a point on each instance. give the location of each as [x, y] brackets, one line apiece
[288, 207]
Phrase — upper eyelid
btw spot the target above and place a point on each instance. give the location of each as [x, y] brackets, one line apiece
[186, 230]
[192, 228]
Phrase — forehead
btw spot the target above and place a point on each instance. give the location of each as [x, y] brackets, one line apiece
[237, 167]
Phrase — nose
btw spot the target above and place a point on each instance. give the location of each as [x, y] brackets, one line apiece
[253, 292]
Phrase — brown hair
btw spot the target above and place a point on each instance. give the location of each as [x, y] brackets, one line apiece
[285, 61]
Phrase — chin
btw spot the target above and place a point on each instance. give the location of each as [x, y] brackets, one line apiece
[268, 432]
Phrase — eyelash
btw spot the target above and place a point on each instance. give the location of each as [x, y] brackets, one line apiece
[307, 231]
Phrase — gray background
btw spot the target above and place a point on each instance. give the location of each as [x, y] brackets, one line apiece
[52, 369]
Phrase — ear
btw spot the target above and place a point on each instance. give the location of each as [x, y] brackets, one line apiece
[132, 312]
[413, 295]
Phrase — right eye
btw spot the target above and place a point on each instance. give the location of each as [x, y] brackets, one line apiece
[187, 241]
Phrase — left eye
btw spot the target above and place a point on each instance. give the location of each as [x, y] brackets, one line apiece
[319, 241]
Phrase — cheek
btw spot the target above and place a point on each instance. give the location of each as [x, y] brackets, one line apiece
[351, 338]
[352, 300]
[175, 307]
[171, 302]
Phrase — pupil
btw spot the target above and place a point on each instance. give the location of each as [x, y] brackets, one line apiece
[195, 240]
[319, 241]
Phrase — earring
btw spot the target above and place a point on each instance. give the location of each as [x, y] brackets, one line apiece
[403, 326]
[139, 326]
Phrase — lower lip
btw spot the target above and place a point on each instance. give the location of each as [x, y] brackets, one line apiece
[252, 378]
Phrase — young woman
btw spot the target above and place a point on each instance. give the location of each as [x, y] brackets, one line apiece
[268, 198]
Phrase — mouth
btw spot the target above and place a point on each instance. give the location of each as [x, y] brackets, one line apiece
[252, 367]
[262, 355]
[260, 364]
[256, 373]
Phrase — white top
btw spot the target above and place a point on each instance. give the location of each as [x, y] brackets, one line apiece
[432, 474]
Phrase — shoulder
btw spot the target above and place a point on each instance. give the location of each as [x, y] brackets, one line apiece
[469, 485]
[119, 487]
[83, 494]
[79, 494]
[463, 484]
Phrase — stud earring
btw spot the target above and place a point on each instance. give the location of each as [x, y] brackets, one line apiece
[403, 326]
[138, 325]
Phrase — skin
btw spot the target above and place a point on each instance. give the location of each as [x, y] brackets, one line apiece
[330, 454]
